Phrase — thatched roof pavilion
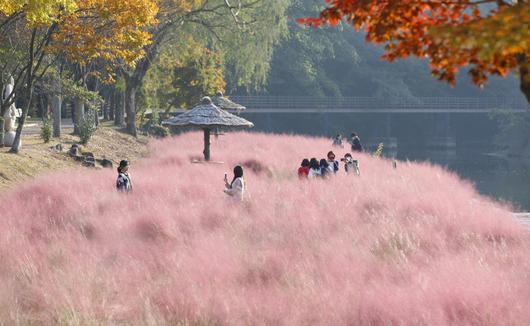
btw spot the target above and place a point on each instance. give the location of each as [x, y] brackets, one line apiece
[226, 104]
[208, 117]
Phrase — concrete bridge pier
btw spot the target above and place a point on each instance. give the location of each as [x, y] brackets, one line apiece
[326, 124]
[268, 122]
[443, 136]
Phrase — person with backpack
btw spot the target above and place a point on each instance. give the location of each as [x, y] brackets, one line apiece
[124, 183]
[355, 143]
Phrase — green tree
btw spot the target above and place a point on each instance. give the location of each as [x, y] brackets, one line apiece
[183, 73]
[244, 31]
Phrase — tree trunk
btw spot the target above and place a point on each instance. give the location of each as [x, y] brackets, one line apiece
[133, 80]
[56, 107]
[2, 124]
[130, 106]
[524, 72]
[72, 112]
[106, 108]
[112, 104]
[79, 109]
[119, 114]
[29, 94]
[206, 151]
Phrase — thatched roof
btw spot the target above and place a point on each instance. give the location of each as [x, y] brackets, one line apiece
[226, 104]
[208, 115]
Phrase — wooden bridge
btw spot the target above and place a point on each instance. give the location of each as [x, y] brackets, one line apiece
[283, 104]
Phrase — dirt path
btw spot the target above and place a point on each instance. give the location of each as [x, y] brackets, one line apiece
[36, 157]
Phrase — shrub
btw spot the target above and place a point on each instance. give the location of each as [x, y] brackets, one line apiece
[379, 151]
[87, 129]
[46, 131]
[159, 131]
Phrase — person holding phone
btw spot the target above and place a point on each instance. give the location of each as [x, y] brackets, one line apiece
[237, 187]
[333, 165]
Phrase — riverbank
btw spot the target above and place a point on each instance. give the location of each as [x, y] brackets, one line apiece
[37, 158]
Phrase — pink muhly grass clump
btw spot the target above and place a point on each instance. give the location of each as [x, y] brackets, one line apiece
[413, 245]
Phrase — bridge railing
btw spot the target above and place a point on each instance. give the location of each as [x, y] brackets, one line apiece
[373, 103]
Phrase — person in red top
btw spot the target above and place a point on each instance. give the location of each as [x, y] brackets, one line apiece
[303, 170]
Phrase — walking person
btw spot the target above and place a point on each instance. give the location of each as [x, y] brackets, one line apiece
[355, 143]
[337, 141]
[333, 164]
[303, 170]
[314, 169]
[124, 183]
[236, 188]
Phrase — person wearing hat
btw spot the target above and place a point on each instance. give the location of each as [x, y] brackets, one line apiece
[124, 183]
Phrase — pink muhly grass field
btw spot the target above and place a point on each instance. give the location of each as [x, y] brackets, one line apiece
[413, 245]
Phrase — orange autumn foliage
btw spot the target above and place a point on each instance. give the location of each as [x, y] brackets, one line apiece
[106, 29]
[449, 33]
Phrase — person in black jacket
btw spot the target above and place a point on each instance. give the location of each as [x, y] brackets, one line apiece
[355, 143]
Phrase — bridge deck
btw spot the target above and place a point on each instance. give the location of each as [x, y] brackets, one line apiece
[324, 110]
[285, 104]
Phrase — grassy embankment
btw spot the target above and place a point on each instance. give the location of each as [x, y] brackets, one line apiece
[414, 245]
[37, 158]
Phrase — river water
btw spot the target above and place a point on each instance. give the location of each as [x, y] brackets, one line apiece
[500, 178]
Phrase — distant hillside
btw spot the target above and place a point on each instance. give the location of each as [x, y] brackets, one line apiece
[338, 62]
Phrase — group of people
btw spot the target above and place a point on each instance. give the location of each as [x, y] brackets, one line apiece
[310, 168]
[354, 141]
[236, 188]
[313, 168]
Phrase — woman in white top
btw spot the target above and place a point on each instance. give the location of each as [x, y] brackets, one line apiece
[237, 187]
[314, 169]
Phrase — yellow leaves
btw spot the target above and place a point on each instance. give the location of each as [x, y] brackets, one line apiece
[8, 7]
[38, 11]
[107, 29]
[90, 29]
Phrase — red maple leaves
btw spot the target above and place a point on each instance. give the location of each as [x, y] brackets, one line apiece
[449, 33]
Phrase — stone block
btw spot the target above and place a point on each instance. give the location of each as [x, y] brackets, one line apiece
[9, 138]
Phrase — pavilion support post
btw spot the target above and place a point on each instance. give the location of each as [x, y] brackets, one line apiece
[206, 151]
